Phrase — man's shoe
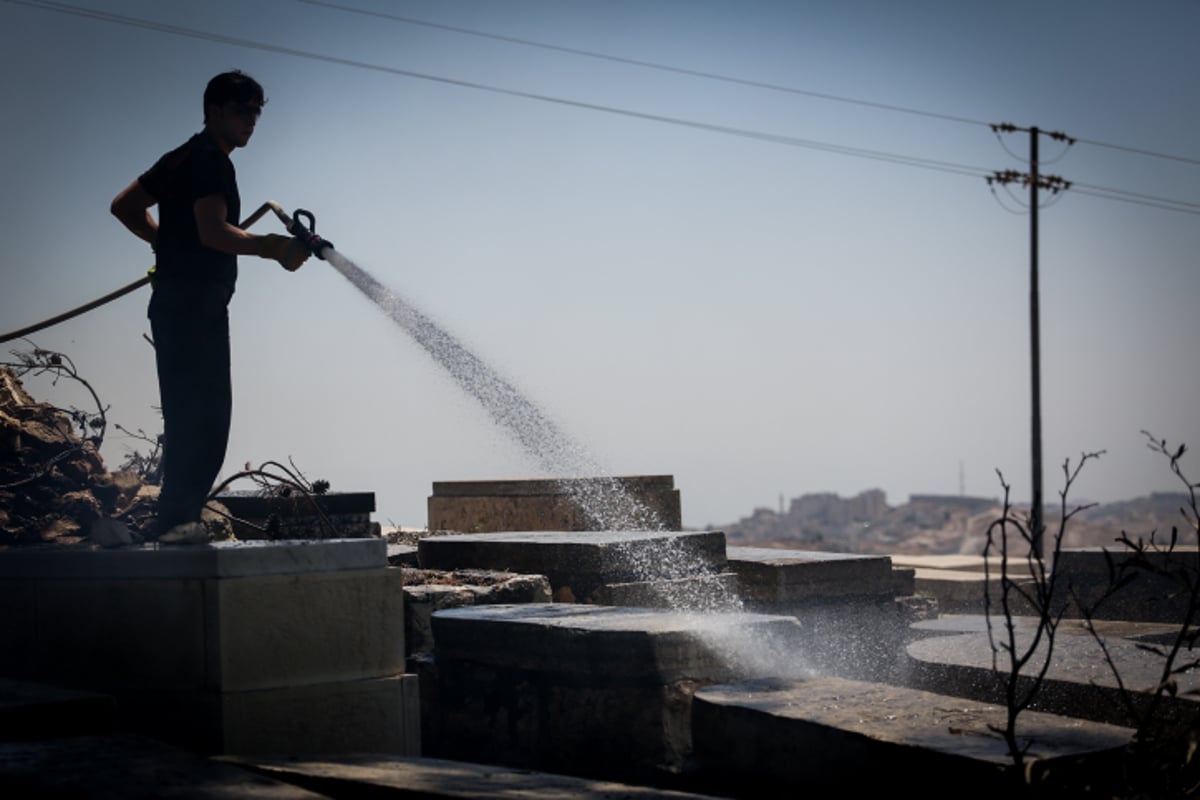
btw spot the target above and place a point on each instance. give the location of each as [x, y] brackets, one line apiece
[187, 533]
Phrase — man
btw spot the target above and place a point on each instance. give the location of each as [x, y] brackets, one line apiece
[196, 241]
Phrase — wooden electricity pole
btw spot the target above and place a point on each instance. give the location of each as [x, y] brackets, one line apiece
[1054, 184]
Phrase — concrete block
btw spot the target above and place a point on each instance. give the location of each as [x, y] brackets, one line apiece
[110, 633]
[567, 504]
[186, 638]
[826, 735]
[294, 630]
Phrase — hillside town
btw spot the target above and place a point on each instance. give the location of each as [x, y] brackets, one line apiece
[938, 524]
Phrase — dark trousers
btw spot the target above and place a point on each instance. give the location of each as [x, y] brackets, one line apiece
[190, 326]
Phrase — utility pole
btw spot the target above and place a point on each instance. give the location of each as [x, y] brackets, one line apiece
[1054, 184]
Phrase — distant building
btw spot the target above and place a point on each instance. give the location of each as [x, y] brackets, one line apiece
[973, 505]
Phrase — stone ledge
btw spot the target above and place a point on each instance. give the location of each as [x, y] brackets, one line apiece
[216, 560]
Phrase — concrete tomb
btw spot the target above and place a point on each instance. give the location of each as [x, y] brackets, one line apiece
[233, 647]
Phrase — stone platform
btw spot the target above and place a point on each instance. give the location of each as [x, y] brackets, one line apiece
[589, 690]
[230, 647]
[579, 565]
[835, 737]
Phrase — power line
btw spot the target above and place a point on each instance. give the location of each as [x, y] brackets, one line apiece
[1141, 152]
[775, 87]
[1136, 199]
[710, 75]
[792, 141]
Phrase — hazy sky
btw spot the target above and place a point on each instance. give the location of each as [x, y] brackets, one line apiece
[758, 291]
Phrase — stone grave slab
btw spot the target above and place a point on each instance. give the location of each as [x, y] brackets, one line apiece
[545, 504]
[600, 691]
[826, 734]
[578, 563]
[776, 577]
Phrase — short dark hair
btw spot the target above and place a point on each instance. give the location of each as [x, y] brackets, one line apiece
[232, 87]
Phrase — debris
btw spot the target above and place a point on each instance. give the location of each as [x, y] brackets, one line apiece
[54, 487]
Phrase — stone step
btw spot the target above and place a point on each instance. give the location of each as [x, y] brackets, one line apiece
[580, 562]
[130, 768]
[829, 734]
[373, 775]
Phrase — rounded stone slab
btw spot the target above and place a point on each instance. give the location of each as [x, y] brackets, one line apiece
[580, 559]
[608, 643]
[1079, 682]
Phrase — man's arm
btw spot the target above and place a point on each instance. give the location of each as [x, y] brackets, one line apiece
[132, 208]
[218, 234]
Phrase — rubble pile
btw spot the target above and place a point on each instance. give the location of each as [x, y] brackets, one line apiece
[54, 488]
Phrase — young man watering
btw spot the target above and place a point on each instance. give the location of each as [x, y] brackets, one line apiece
[196, 241]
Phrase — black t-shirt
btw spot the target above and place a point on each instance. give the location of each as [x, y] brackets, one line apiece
[197, 168]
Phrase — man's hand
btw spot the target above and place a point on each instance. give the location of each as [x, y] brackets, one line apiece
[289, 251]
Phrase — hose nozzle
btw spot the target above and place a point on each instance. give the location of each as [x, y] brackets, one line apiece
[308, 234]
